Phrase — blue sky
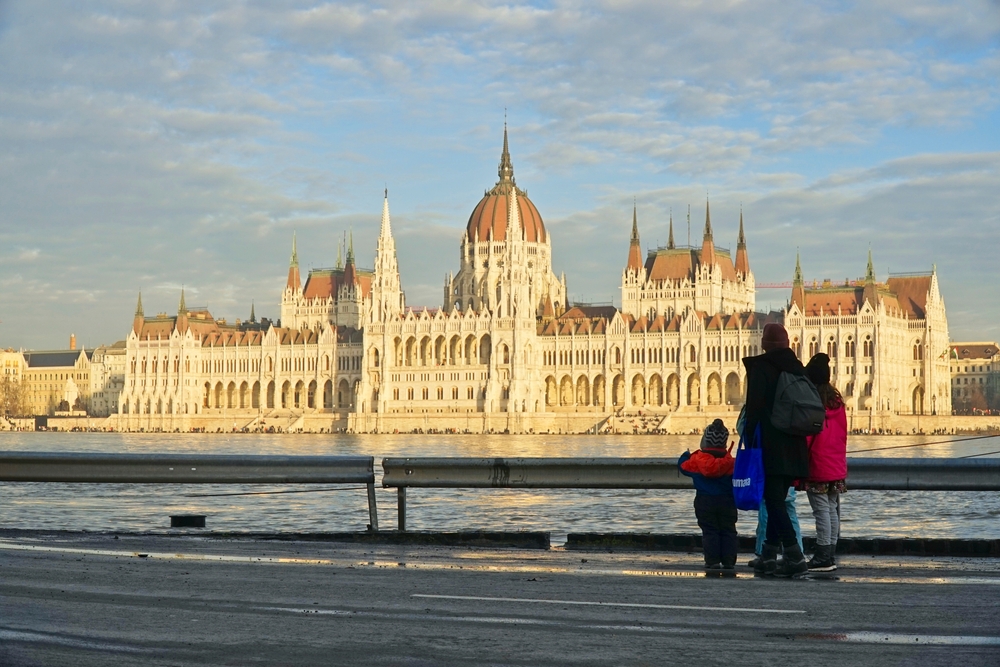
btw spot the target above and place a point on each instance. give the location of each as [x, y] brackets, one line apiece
[153, 145]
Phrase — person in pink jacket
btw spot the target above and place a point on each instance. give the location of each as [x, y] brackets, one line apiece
[827, 466]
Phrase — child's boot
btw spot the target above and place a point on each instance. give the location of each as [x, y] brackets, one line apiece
[822, 560]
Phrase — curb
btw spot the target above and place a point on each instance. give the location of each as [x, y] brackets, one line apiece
[846, 545]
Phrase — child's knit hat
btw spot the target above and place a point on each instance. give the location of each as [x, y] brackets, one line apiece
[716, 436]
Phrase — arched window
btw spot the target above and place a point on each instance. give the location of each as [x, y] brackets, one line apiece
[813, 347]
[831, 348]
[918, 351]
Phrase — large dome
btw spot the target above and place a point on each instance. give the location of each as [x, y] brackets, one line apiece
[489, 218]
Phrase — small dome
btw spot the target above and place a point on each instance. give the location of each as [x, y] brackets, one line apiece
[489, 218]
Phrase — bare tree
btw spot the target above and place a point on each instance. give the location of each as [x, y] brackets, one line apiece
[13, 397]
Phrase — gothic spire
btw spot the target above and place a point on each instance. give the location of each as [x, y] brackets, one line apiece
[634, 248]
[707, 243]
[870, 272]
[635, 225]
[386, 229]
[253, 316]
[139, 318]
[708, 222]
[294, 282]
[798, 288]
[670, 239]
[340, 257]
[742, 260]
[350, 248]
[182, 309]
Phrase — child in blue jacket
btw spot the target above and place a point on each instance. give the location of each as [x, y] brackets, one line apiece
[711, 469]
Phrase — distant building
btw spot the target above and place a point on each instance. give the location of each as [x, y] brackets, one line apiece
[888, 342]
[57, 380]
[107, 379]
[975, 376]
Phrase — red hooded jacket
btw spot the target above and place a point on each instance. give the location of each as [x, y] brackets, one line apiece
[828, 448]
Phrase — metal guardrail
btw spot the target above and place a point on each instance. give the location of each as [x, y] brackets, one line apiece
[662, 473]
[190, 469]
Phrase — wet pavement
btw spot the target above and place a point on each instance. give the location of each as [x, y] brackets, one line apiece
[96, 600]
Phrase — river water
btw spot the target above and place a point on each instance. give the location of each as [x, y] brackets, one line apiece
[145, 507]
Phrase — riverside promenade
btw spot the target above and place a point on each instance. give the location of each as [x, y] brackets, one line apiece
[97, 599]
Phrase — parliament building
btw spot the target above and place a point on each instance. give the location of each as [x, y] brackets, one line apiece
[507, 352]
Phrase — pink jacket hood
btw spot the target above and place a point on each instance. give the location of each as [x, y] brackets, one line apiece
[828, 449]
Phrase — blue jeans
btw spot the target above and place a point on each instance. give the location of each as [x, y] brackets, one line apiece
[762, 521]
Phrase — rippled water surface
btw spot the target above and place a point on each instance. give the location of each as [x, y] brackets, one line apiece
[135, 507]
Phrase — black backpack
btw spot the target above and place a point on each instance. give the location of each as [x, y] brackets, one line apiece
[798, 409]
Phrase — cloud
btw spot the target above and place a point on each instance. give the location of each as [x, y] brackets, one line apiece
[162, 145]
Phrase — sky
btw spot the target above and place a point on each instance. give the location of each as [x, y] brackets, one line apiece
[150, 146]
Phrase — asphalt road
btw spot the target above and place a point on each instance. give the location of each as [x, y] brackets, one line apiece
[149, 600]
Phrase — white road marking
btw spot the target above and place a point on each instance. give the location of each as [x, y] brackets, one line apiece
[486, 620]
[597, 603]
[62, 640]
[912, 640]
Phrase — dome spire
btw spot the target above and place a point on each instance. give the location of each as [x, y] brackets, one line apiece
[506, 169]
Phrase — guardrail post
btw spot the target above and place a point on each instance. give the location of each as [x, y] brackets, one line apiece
[401, 507]
[372, 508]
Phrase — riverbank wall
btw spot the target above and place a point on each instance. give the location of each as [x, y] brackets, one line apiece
[568, 422]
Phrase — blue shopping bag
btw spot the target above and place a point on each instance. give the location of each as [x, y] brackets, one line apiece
[748, 473]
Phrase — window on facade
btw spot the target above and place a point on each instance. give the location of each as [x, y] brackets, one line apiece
[831, 348]
[409, 393]
[470, 393]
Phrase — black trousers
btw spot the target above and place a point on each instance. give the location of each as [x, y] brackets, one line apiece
[779, 525]
[717, 519]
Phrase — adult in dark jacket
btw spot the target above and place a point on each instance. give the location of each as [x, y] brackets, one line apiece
[786, 456]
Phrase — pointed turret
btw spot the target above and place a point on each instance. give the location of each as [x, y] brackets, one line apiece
[707, 243]
[798, 286]
[871, 288]
[139, 318]
[253, 315]
[182, 314]
[670, 239]
[386, 292]
[742, 260]
[340, 256]
[350, 273]
[548, 311]
[634, 249]
[294, 279]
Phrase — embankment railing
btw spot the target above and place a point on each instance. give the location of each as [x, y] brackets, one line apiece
[190, 469]
[927, 474]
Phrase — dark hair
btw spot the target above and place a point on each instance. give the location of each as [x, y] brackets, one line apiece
[830, 396]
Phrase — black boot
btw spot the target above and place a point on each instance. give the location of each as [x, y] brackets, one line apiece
[793, 563]
[822, 560]
[768, 561]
